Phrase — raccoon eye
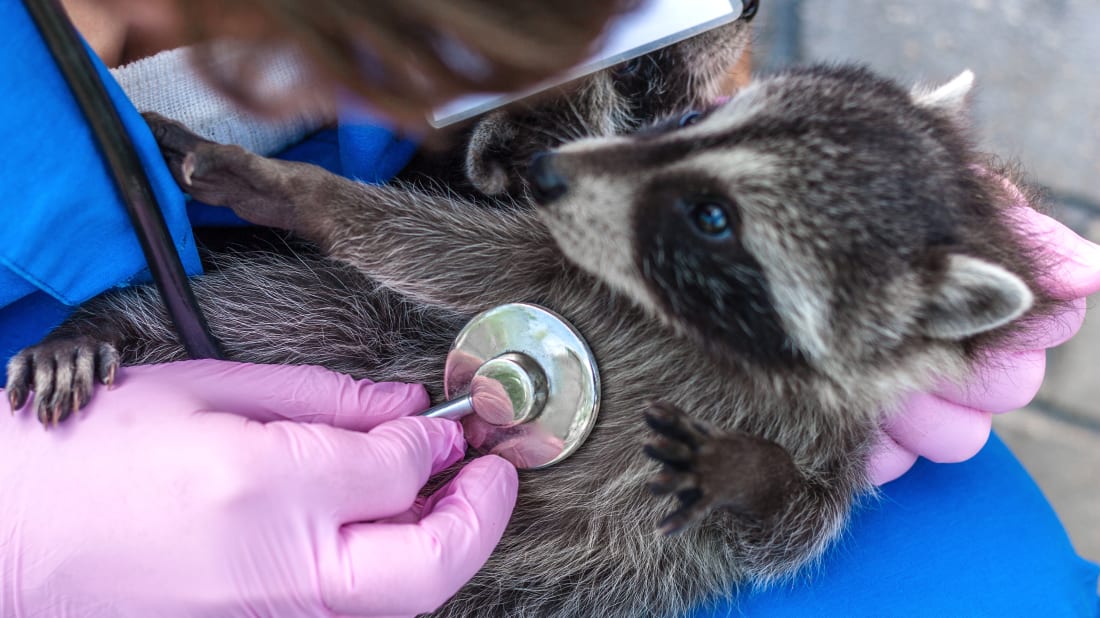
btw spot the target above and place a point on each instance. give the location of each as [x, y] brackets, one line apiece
[711, 218]
[690, 118]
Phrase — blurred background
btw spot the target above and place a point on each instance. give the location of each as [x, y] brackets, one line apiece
[1037, 100]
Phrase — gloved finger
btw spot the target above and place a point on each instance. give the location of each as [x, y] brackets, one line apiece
[888, 460]
[1074, 270]
[366, 476]
[293, 392]
[1052, 330]
[939, 430]
[1004, 382]
[428, 561]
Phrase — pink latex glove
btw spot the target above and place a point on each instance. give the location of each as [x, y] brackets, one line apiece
[952, 423]
[208, 488]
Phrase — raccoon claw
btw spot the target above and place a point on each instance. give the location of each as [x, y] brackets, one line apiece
[706, 469]
[196, 163]
[688, 513]
[177, 143]
[666, 419]
[62, 374]
[671, 454]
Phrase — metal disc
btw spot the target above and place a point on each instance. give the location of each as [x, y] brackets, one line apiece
[572, 383]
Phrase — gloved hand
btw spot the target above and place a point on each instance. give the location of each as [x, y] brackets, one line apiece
[208, 488]
[952, 422]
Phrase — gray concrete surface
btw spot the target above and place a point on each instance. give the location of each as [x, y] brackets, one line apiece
[1038, 101]
[1065, 462]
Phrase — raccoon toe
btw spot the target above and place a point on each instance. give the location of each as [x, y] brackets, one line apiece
[177, 145]
[62, 374]
[694, 507]
[667, 420]
[675, 455]
[20, 379]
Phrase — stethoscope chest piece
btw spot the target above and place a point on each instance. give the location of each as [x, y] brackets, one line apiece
[530, 380]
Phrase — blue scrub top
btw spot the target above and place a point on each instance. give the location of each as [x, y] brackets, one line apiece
[970, 539]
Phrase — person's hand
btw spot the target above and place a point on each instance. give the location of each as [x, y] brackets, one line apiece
[952, 423]
[208, 488]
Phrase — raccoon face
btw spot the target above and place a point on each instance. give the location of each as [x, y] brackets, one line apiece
[610, 102]
[821, 217]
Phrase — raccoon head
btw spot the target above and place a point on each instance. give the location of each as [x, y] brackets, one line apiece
[616, 100]
[822, 218]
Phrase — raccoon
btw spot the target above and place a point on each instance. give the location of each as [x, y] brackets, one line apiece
[758, 280]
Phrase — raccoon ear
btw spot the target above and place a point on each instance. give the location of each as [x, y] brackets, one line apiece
[973, 297]
[950, 97]
[484, 168]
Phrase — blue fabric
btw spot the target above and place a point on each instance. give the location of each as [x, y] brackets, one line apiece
[371, 151]
[970, 539]
[66, 236]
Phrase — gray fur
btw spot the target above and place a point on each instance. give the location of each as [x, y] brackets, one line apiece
[406, 265]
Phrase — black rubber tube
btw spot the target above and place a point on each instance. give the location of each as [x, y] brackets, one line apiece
[118, 150]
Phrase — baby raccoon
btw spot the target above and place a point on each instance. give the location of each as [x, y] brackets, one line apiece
[773, 272]
[497, 146]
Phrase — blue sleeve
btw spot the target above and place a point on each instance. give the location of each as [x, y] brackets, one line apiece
[66, 236]
[970, 539]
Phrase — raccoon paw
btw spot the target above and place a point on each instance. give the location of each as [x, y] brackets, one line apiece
[209, 172]
[260, 190]
[189, 156]
[707, 468]
[62, 374]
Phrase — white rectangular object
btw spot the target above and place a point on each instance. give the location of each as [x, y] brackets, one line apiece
[655, 24]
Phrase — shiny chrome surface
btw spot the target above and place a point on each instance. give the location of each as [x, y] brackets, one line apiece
[506, 390]
[509, 389]
[455, 409]
[531, 380]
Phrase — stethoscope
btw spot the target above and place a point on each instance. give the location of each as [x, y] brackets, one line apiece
[520, 377]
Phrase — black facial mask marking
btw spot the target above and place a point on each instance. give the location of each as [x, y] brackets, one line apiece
[708, 281]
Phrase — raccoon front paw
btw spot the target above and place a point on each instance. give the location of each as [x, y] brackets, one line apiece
[258, 190]
[62, 374]
[708, 468]
[192, 159]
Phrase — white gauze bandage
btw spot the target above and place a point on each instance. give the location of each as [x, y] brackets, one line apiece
[168, 84]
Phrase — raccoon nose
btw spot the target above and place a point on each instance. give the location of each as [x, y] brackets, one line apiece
[547, 184]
